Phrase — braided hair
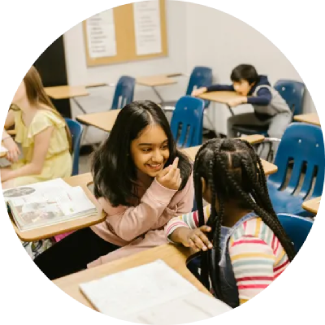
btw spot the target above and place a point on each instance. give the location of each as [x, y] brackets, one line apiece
[233, 171]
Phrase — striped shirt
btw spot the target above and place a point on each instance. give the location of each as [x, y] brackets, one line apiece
[256, 254]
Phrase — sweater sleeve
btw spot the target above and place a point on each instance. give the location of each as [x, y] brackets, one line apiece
[263, 97]
[189, 220]
[131, 222]
[220, 88]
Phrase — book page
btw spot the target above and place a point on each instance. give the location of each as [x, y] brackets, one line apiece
[35, 192]
[137, 289]
[193, 307]
[47, 203]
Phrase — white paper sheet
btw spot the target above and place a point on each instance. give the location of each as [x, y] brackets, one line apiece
[147, 27]
[143, 295]
[101, 35]
[136, 289]
[194, 307]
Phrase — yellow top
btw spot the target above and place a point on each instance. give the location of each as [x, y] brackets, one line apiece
[58, 162]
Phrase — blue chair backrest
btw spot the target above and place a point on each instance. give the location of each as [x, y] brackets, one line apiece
[304, 144]
[187, 121]
[200, 77]
[124, 92]
[76, 133]
[297, 228]
[293, 93]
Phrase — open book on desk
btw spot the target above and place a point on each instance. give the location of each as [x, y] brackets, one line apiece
[47, 203]
[152, 293]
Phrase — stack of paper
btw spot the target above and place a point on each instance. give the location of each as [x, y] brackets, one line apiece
[151, 294]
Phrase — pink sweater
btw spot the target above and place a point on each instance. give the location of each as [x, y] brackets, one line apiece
[141, 227]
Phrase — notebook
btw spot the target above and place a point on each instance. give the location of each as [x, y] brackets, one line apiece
[47, 203]
[152, 293]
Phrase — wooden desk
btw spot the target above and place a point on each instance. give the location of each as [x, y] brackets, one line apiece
[102, 120]
[220, 97]
[159, 80]
[311, 118]
[267, 166]
[97, 84]
[154, 81]
[70, 92]
[66, 92]
[174, 256]
[312, 205]
[50, 231]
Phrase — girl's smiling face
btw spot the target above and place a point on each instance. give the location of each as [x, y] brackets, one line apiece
[150, 151]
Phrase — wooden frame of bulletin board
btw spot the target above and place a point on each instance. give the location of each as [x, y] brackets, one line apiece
[125, 37]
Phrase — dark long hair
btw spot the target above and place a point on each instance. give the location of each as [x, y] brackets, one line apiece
[234, 171]
[113, 169]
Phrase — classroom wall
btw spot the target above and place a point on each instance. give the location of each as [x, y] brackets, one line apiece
[101, 98]
[197, 35]
[221, 41]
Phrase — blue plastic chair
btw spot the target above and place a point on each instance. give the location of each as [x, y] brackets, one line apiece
[124, 92]
[123, 95]
[303, 145]
[200, 77]
[292, 92]
[187, 122]
[297, 228]
[76, 133]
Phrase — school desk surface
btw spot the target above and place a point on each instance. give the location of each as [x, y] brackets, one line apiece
[311, 118]
[312, 205]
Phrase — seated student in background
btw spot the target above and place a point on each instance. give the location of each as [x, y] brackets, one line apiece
[42, 133]
[141, 181]
[44, 139]
[270, 109]
[240, 220]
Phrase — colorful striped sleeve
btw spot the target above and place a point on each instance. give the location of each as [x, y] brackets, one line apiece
[189, 220]
[253, 265]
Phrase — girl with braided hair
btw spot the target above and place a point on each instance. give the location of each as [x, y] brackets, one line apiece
[242, 244]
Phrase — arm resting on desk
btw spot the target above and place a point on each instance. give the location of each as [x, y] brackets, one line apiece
[220, 88]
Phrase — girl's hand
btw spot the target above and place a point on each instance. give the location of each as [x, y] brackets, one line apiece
[197, 239]
[13, 150]
[170, 177]
[199, 91]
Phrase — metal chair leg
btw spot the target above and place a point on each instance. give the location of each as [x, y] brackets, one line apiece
[211, 124]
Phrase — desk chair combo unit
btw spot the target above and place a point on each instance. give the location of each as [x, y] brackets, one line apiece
[200, 77]
[293, 93]
[187, 122]
[302, 146]
[123, 95]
